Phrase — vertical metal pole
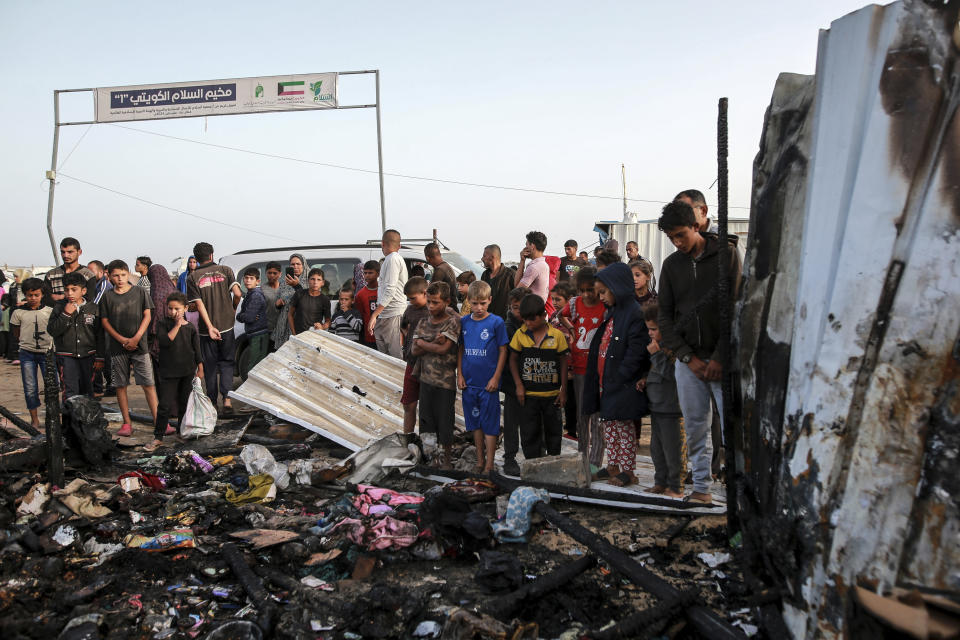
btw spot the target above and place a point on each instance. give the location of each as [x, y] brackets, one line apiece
[726, 303]
[52, 175]
[383, 209]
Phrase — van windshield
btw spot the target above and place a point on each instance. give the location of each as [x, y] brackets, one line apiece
[461, 264]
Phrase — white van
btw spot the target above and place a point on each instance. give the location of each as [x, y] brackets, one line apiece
[338, 262]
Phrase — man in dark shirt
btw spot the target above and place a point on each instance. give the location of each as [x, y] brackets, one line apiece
[210, 287]
[70, 251]
[570, 263]
[500, 278]
[442, 272]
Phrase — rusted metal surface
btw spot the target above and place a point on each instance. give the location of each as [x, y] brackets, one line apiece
[852, 278]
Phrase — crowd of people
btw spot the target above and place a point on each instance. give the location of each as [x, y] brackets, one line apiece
[590, 346]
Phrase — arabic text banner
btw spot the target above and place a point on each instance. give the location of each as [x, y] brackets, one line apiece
[216, 97]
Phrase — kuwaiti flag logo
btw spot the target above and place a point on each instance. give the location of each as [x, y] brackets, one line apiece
[294, 88]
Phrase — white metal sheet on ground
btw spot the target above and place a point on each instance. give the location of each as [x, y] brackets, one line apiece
[342, 390]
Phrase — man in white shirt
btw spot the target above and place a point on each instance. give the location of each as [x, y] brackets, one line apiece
[391, 301]
[535, 274]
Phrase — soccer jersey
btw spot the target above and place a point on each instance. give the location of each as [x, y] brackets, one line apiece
[539, 364]
[366, 303]
[585, 321]
[482, 340]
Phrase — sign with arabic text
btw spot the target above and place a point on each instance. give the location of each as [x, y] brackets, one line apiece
[217, 97]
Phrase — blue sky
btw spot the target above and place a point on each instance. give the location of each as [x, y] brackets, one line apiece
[543, 95]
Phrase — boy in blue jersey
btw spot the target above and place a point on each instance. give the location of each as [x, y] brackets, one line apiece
[482, 356]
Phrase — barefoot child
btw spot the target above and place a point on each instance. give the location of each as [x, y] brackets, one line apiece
[482, 356]
[180, 362]
[29, 326]
[618, 360]
[125, 314]
[416, 291]
[666, 435]
[435, 343]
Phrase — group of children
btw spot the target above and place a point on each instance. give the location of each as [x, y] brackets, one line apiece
[599, 352]
[85, 336]
[540, 363]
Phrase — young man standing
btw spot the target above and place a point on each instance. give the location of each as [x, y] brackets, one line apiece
[689, 322]
[391, 301]
[535, 274]
[442, 272]
[70, 253]
[499, 277]
[271, 293]
[698, 203]
[216, 292]
[142, 266]
[570, 263]
[633, 251]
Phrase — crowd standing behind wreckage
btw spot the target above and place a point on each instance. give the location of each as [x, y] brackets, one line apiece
[585, 347]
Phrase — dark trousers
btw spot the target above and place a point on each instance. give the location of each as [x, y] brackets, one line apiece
[718, 461]
[570, 415]
[511, 425]
[540, 426]
[666, 440]
[171, 392]
[12, 348]
[218, 361]
[76, 375]
[259, 347]
[436, 407]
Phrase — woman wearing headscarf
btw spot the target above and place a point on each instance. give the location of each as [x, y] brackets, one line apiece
[182, 280]
[289, 286]
[161, 286]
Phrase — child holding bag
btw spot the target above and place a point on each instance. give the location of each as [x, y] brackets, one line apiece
[180, 362]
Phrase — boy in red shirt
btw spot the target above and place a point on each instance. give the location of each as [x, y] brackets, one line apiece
[581, 316]
[365, 301]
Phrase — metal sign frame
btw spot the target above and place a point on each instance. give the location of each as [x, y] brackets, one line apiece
[52, 173]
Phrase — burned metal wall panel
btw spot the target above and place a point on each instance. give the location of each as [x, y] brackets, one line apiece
[854, 455]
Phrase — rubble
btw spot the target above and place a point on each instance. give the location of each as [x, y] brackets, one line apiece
[165, 553]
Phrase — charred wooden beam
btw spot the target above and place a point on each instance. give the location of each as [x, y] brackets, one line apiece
[706, 621]
[504, 606]
[511, 484]
[252, 585]
[51, 397]
[19, 422]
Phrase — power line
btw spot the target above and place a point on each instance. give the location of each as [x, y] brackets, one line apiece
[89, 126]
[174, 209]
[394, 175]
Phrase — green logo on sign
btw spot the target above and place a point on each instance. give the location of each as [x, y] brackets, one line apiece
[315, 87]
[258, 92]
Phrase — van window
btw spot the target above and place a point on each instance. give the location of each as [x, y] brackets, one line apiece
[335, 272]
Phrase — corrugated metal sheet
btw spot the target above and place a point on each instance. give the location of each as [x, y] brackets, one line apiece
[342, 390]
[852, 447]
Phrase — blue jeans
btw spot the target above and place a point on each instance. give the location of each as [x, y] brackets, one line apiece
[30, 361]
[694, 395]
